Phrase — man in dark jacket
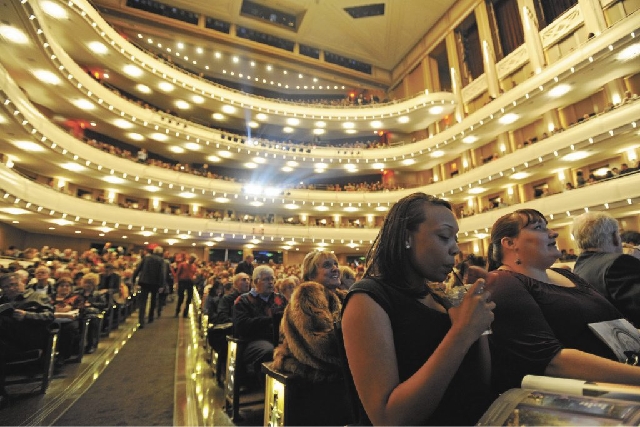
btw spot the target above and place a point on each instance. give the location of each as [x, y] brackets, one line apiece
[603, 265]
[151, 275]
[245, 266]
[241, 285]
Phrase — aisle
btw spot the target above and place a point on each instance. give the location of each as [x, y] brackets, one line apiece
[137, 388]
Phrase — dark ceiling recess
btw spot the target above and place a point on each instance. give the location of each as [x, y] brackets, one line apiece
[365, 11]
[265, 13]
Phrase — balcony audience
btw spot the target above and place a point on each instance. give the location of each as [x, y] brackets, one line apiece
[308, 346]
[603, 265]
[412, 361]
[541, 314]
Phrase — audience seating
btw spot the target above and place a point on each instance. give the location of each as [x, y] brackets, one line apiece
[34, 365]
[295, 401]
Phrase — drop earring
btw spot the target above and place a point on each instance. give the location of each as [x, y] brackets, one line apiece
[407, 245]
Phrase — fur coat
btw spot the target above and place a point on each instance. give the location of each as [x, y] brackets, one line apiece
[308, 346]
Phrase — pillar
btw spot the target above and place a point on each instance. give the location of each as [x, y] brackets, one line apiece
[532, 35]
[456, 77]
[593, 16]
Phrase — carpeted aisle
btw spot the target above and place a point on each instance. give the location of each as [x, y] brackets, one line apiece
[137, 388]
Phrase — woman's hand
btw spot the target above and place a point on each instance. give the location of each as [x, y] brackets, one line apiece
[474, 315]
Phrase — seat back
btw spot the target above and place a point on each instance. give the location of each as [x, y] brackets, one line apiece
[352, 393]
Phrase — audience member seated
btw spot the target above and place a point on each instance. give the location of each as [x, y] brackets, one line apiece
[603, 265]
[253, 314]
[541, 313]
[95, 302]
[22, 313]
[414, 363]
[347, 277]
[42, 282]
[67, 307]
[224, 313]
[631, 243]
[288, 285]
[308, 346]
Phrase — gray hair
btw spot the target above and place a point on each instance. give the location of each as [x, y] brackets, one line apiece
[260, 271]
[158, 250]
[593, 229]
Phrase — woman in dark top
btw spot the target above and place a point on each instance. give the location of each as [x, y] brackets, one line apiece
[542, 313]
[412, 362]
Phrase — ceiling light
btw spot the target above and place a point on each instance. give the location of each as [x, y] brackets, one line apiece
[151, 188]
[13, 34]
[250, 165]
[218, 116]
[292, 121]
[292, 163]
[408, 162]
[351, 209]
[322, 208]
[256, 203]
[438, 109]
[123, 124]
[98, 48]
[187, 195]
[286, 169]
[28, 146]
[192, 146]
[165, 86]
[575, 155]
[132, 70]
[477, 190]
[520, 175]
[83, 104]
[14, 211]
[318, 131]
[61, 221]
[46, 76]
[135, 136]
[287, 129]
[437, 153]
[259, 160]
[73, 167]
[470, 139]
[559, 90]
[229, 109]
[197, 99]
[53, 9]
[143, 88]
[182, 105]
[226, 154]
[320, 124]
[291, 206]
[262, 117]
[176, 149]
[348, 125]
[376, 124]
[350, 131]
[508, 118]
[112, 179]
[403, 119]
[381, 208]
[629, 52]
[254, 125]
[214, 159]
[377, 165]
[221, 200]
[159, 137]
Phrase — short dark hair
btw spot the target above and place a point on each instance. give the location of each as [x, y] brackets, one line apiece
[509, 225]
[387, 257]
[630, 236]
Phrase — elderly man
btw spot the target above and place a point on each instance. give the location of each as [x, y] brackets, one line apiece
[241, 285]
[253, 318]
[603, 265]
[151, 274]
[43, 282]
[245, 266]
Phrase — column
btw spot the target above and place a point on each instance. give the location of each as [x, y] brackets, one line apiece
[456, 79]
[593, 16]
[532, 35]
[488, 54]
[336, 221]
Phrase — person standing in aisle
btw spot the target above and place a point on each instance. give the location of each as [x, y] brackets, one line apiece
[185, 273]
[151, 273]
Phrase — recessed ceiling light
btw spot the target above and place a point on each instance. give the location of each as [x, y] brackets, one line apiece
[351, 209]
[193, 146]
[98, 48]
[221, 200]
[132, 70]
[575, 155]
[14, 211]
[214, 159]
[319, 170]
[135, 136]
[437, 153]
[47, 76]
[165, 86]
[182, 105]
[403, 119]
[259, 160]
[143, 88]
[376, 124]
[348, 125]
[151, 188]
[218, 116]
[408, 162]
[292, 163]
[73, 167]
[508, 118]
[291, 206]
[176, 149]
[13, 34]
[520, 175]
[286, 169]
[381, 208]
[187, 195]
[256, 203]
[53, 9]
[113, 179]
[226, 154]
[83, 104]
[470, 139]
[61, 221]
[229, 109]
[292, 121]
[377, 165]
[262, 117]
[159, 137]
[123, 124]
[254, 125]
[629, 52]
[322, 208]
[318, 131]
[250, 165]
[287, 129]
[477, 190]
[559, 90]
[320, 124]
[28, 146]
[435, 110]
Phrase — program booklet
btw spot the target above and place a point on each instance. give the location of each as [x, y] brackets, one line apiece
[621, 337]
